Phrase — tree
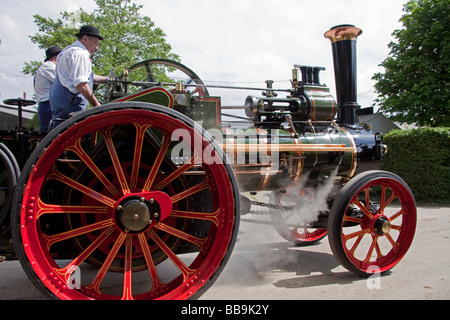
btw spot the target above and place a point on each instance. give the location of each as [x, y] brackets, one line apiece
[415, 85]
[129, 36]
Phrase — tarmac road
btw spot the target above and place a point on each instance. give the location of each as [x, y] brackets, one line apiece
[264, 266]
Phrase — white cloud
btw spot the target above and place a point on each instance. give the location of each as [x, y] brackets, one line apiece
[228, 40]
[256, 40]
[16, 46]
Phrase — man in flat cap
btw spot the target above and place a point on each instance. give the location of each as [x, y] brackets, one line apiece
[73, 87]
[43, 82]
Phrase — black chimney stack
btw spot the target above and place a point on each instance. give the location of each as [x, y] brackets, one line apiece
[343, 42]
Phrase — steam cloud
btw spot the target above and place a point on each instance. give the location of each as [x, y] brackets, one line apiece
[307, 210]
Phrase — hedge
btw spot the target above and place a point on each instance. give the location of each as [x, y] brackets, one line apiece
[421, 157]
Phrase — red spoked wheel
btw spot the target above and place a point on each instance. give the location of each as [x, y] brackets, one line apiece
[109, 202]
[294, 223]
[372, 222]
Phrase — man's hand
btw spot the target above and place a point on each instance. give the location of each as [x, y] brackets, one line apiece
[88, 94]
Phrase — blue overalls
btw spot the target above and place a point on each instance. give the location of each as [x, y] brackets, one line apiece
[64, 102]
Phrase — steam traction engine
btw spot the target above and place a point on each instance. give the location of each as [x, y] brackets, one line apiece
[136, 200]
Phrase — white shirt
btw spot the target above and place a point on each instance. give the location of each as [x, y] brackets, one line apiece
[74, 67]
[43, 81]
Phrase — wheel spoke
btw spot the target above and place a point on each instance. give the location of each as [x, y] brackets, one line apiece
[398, 214]
[352, 219]
[139, 142]
[355, 234]
[391, 198]
[157, 163]
[356, 244]
[185, 270]
[67, 271]
[78, 150]
[156, 282]
[182, 235]
[179, 171]
[371, 248]
[191, 191]
[106, 133]
[379, 254]
[43, 208]
[127, 277]
[210, 216]
[55, 174]
[95, 285]
[50, 240]
[367, 198]
[382, 200]
[391, 241]
[363, 208]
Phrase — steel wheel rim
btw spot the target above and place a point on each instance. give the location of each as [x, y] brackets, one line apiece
[307, 235]
[192, 275]
[298, 234]
[368, 246]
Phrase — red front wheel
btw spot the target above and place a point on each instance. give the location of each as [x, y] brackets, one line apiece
[125, 201]
[372, 222]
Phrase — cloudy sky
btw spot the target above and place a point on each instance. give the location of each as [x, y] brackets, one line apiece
[236, 42]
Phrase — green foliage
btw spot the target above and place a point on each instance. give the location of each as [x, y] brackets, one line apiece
[33, 123]
[129, 36]
[415, 85]
[422, 158]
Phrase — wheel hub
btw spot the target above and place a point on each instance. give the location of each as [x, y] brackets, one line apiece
[138, 212]
[382, 226]
[134, 215]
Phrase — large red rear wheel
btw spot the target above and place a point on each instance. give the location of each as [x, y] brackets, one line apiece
[109, 202]
[372, 222]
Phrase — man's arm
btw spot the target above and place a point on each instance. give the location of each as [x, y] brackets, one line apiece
[88, 94]
[100, 79]
[84, 89]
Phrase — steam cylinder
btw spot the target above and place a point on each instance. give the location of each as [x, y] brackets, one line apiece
[281, 168]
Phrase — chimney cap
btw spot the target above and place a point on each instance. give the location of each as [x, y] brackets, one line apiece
[343, 32]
